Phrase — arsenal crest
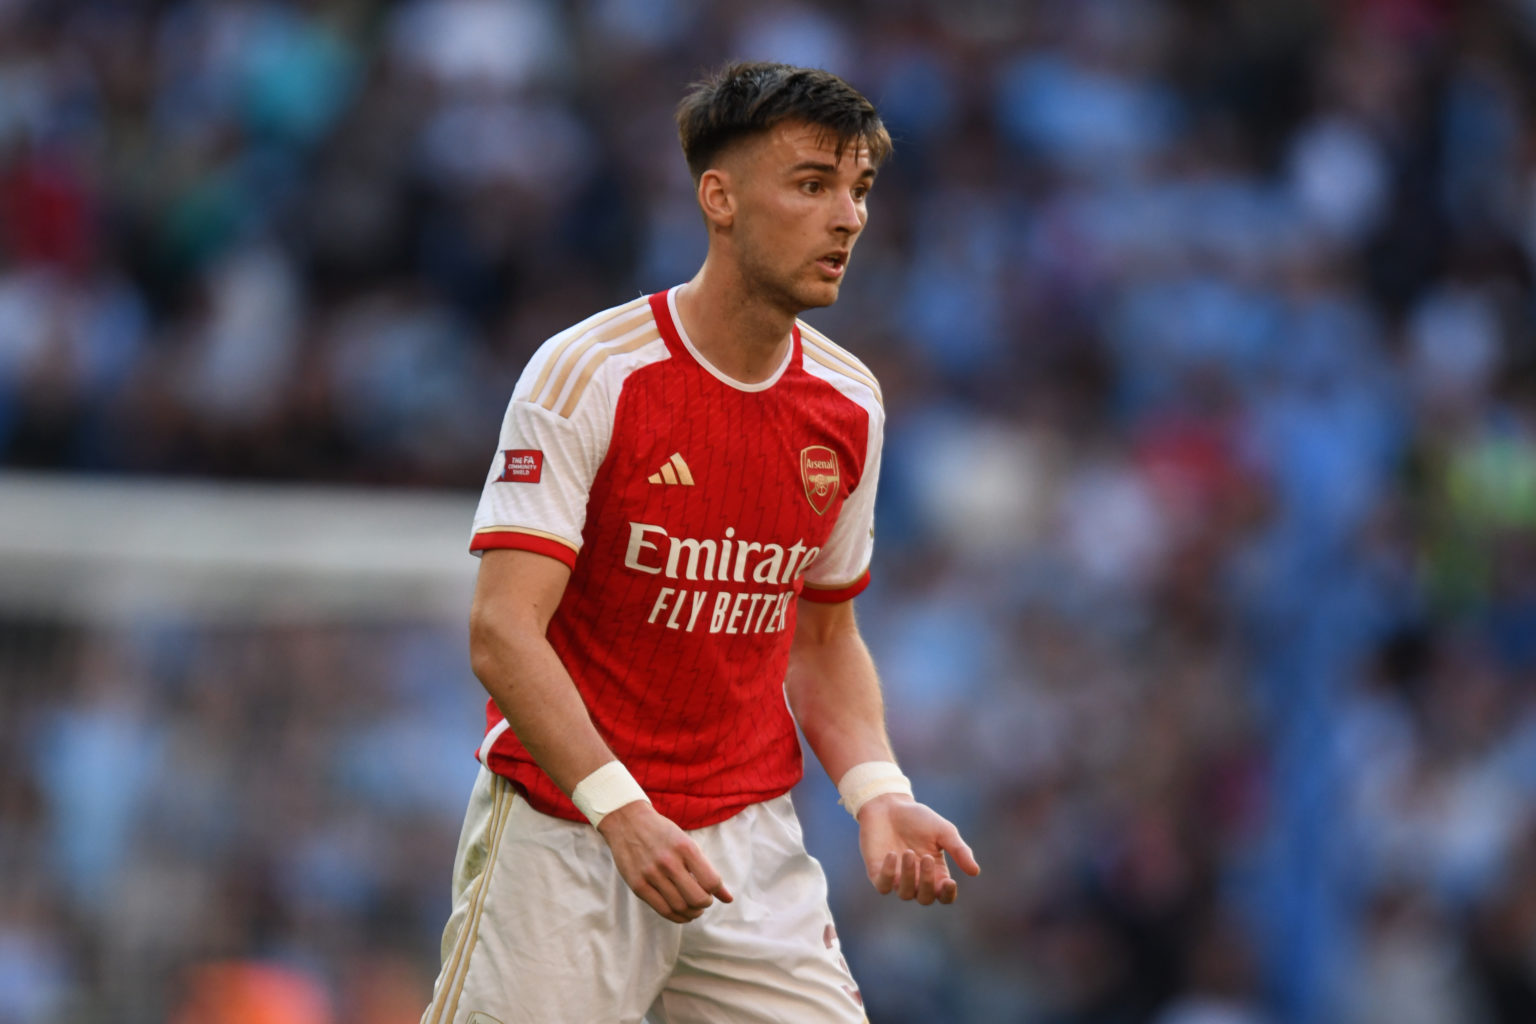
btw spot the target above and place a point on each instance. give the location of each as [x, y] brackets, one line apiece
[818, 468]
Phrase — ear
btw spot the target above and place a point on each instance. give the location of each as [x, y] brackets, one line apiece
[717, 197]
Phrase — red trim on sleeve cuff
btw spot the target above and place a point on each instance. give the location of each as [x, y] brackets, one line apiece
[523, 542]
[835, 595]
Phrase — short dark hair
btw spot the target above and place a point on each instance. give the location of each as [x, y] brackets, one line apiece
[743, 99]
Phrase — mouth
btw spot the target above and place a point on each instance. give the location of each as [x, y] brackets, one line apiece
[833, 263]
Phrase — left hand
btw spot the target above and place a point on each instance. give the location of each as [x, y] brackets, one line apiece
[904, 843]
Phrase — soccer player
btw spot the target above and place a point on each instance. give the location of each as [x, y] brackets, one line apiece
[677, 518]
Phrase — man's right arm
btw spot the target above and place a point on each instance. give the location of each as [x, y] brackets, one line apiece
[516, 595]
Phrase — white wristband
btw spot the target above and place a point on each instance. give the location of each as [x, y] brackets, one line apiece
[863, 782]
[605, 791]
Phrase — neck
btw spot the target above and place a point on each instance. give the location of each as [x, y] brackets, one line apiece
[742, 335]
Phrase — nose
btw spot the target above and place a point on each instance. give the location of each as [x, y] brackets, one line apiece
[847, 215]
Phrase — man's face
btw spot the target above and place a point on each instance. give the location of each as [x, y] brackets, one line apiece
[799, 211]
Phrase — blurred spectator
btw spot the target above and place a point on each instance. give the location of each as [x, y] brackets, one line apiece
[237, 993]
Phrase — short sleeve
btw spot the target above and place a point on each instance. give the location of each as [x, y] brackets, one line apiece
[841, 571]
[535, 496]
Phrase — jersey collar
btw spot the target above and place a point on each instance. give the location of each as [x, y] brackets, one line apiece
[664, 307]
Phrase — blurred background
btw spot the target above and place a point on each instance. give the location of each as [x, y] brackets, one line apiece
[1205, 589]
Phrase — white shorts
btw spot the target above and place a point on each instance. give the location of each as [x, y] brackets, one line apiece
[544, 930]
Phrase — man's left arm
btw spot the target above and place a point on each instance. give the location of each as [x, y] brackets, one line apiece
[834, 693]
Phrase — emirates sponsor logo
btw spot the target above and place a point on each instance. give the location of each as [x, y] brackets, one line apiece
[818, 468]
[655, 552]
[728, 559]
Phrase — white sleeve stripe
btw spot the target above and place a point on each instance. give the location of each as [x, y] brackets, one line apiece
[833, 349]
[579, 386]
[834, 362]
[572, 359]
[611, 320]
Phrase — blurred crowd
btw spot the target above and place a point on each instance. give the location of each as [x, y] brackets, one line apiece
[1206, 574]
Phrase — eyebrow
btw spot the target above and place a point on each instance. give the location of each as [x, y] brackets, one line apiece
[826, 168]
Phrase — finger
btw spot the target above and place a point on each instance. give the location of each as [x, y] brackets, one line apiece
[673, 899]
[952, 844]
[926, 879]
[657, 902]
[705, 874]
[885, 878]
[680, 873]
[692, 893]
[908, 874]
[945, 888]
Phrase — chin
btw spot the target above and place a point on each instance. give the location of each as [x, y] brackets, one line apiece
[817, 296]
[794, 296]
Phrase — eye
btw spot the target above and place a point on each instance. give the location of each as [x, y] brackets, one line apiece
[860, 192]
[810, 186]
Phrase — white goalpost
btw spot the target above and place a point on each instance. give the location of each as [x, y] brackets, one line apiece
[104, 550]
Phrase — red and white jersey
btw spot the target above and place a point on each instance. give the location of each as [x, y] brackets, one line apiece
[692, 510]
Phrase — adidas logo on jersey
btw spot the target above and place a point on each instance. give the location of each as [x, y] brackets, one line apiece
[673, 471]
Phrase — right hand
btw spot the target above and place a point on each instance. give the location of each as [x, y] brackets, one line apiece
[660, 863]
